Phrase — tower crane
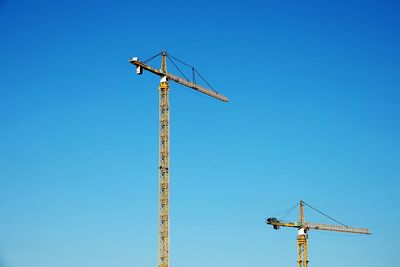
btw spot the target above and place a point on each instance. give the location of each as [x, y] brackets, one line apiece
[164, 137]
[303, 228]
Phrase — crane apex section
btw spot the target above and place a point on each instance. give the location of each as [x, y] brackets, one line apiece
[160, 72]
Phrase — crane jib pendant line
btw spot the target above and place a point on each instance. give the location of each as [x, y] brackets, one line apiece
[164, 192]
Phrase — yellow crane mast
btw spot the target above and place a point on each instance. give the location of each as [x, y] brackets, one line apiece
[303, 227]
[164, 137]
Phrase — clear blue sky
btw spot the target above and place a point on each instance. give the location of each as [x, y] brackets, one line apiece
[314, 115]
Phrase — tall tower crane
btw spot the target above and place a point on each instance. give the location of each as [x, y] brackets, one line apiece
[303, 227]
[163, 209]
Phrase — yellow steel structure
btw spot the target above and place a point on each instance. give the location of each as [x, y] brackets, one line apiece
[303, 227]
[163, 209]
[302, 253]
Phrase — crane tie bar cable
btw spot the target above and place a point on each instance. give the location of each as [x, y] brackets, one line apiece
[194, 71]
[178, 68]
[324, 214]
[153, 57]
[285, 213]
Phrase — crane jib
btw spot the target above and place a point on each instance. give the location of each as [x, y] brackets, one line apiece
[337, 228]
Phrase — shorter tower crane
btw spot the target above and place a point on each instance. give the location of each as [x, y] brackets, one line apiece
[303, 227]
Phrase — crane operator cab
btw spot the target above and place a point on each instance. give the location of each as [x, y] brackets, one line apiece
[302, 232]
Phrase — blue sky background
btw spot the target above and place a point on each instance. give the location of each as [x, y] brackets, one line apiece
[313, 115]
